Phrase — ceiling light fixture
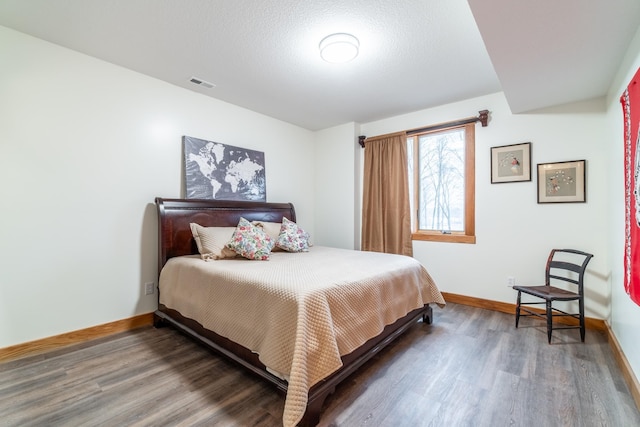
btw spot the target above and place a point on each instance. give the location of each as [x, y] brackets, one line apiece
[338, 48]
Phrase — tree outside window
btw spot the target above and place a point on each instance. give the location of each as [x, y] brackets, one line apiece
[441, 177]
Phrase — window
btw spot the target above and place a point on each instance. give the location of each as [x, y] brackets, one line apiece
[442, 184]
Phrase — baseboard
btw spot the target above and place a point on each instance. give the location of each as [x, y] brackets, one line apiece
[32, 348]
[625, 367]
[590, 323]
[505, 307]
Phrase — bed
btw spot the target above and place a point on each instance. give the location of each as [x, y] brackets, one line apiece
[304, 345]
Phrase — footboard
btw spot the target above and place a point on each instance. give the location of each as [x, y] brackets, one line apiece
[250, 362]
[352, 361]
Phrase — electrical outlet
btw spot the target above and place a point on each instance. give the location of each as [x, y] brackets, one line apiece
[511, 281]
[148, 288]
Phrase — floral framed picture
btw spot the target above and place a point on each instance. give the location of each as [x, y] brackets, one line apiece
[562, 182]
[511, 163]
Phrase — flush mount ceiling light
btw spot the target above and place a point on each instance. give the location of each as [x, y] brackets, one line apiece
[339, 48]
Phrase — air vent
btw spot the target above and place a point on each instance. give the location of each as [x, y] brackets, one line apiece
[201, 82]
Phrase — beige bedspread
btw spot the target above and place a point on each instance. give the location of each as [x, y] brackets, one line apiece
[298, 311]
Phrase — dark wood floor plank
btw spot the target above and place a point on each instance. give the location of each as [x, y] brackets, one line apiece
[471, 367]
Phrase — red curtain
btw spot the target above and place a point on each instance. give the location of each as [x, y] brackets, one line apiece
[631, 108]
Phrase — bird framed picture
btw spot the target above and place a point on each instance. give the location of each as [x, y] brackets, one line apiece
[562, 182]
[511, 163]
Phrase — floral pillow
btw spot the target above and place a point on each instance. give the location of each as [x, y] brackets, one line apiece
[272, 229]
[250, 241]
[292, 238]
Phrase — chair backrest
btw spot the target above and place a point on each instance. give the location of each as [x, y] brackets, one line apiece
[563, 261]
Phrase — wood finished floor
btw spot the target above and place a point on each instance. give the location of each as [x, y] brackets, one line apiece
[470, 368]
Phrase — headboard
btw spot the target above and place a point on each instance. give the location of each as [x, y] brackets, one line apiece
[174, 216]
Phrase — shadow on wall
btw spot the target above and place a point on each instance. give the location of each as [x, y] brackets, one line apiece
[597, 288]
[149, 260]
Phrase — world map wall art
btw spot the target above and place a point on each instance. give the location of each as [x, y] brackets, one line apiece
[224, 172]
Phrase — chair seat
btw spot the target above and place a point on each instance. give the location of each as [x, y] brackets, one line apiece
[548, 292]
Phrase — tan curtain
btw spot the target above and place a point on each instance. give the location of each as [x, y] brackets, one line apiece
[386, 217]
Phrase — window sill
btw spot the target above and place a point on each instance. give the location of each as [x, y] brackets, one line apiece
[445, 238]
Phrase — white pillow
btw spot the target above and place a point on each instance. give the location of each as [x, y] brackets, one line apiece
[271, 228]
[211, 241]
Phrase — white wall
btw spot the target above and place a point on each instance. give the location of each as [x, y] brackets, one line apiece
[337, 217]
[625, 314]
[85, 147]
[514, 232]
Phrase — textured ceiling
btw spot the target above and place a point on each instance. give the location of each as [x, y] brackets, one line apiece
[414, 54]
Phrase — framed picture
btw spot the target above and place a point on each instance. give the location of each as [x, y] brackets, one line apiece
[511, 163]
[219, 171]
[562, 182]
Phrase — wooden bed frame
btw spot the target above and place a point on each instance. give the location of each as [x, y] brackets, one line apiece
[175, 239]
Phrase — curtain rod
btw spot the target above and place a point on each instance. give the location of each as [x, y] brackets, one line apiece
[483, 118]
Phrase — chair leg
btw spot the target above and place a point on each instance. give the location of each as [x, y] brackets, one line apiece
[582, 328]
[549, 320]
[518, 309]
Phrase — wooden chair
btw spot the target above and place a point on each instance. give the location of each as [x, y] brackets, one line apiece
[563, 265]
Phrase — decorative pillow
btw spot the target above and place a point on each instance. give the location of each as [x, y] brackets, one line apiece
[250, 241]
[272, 229]
[292, 238]
[211, 241]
